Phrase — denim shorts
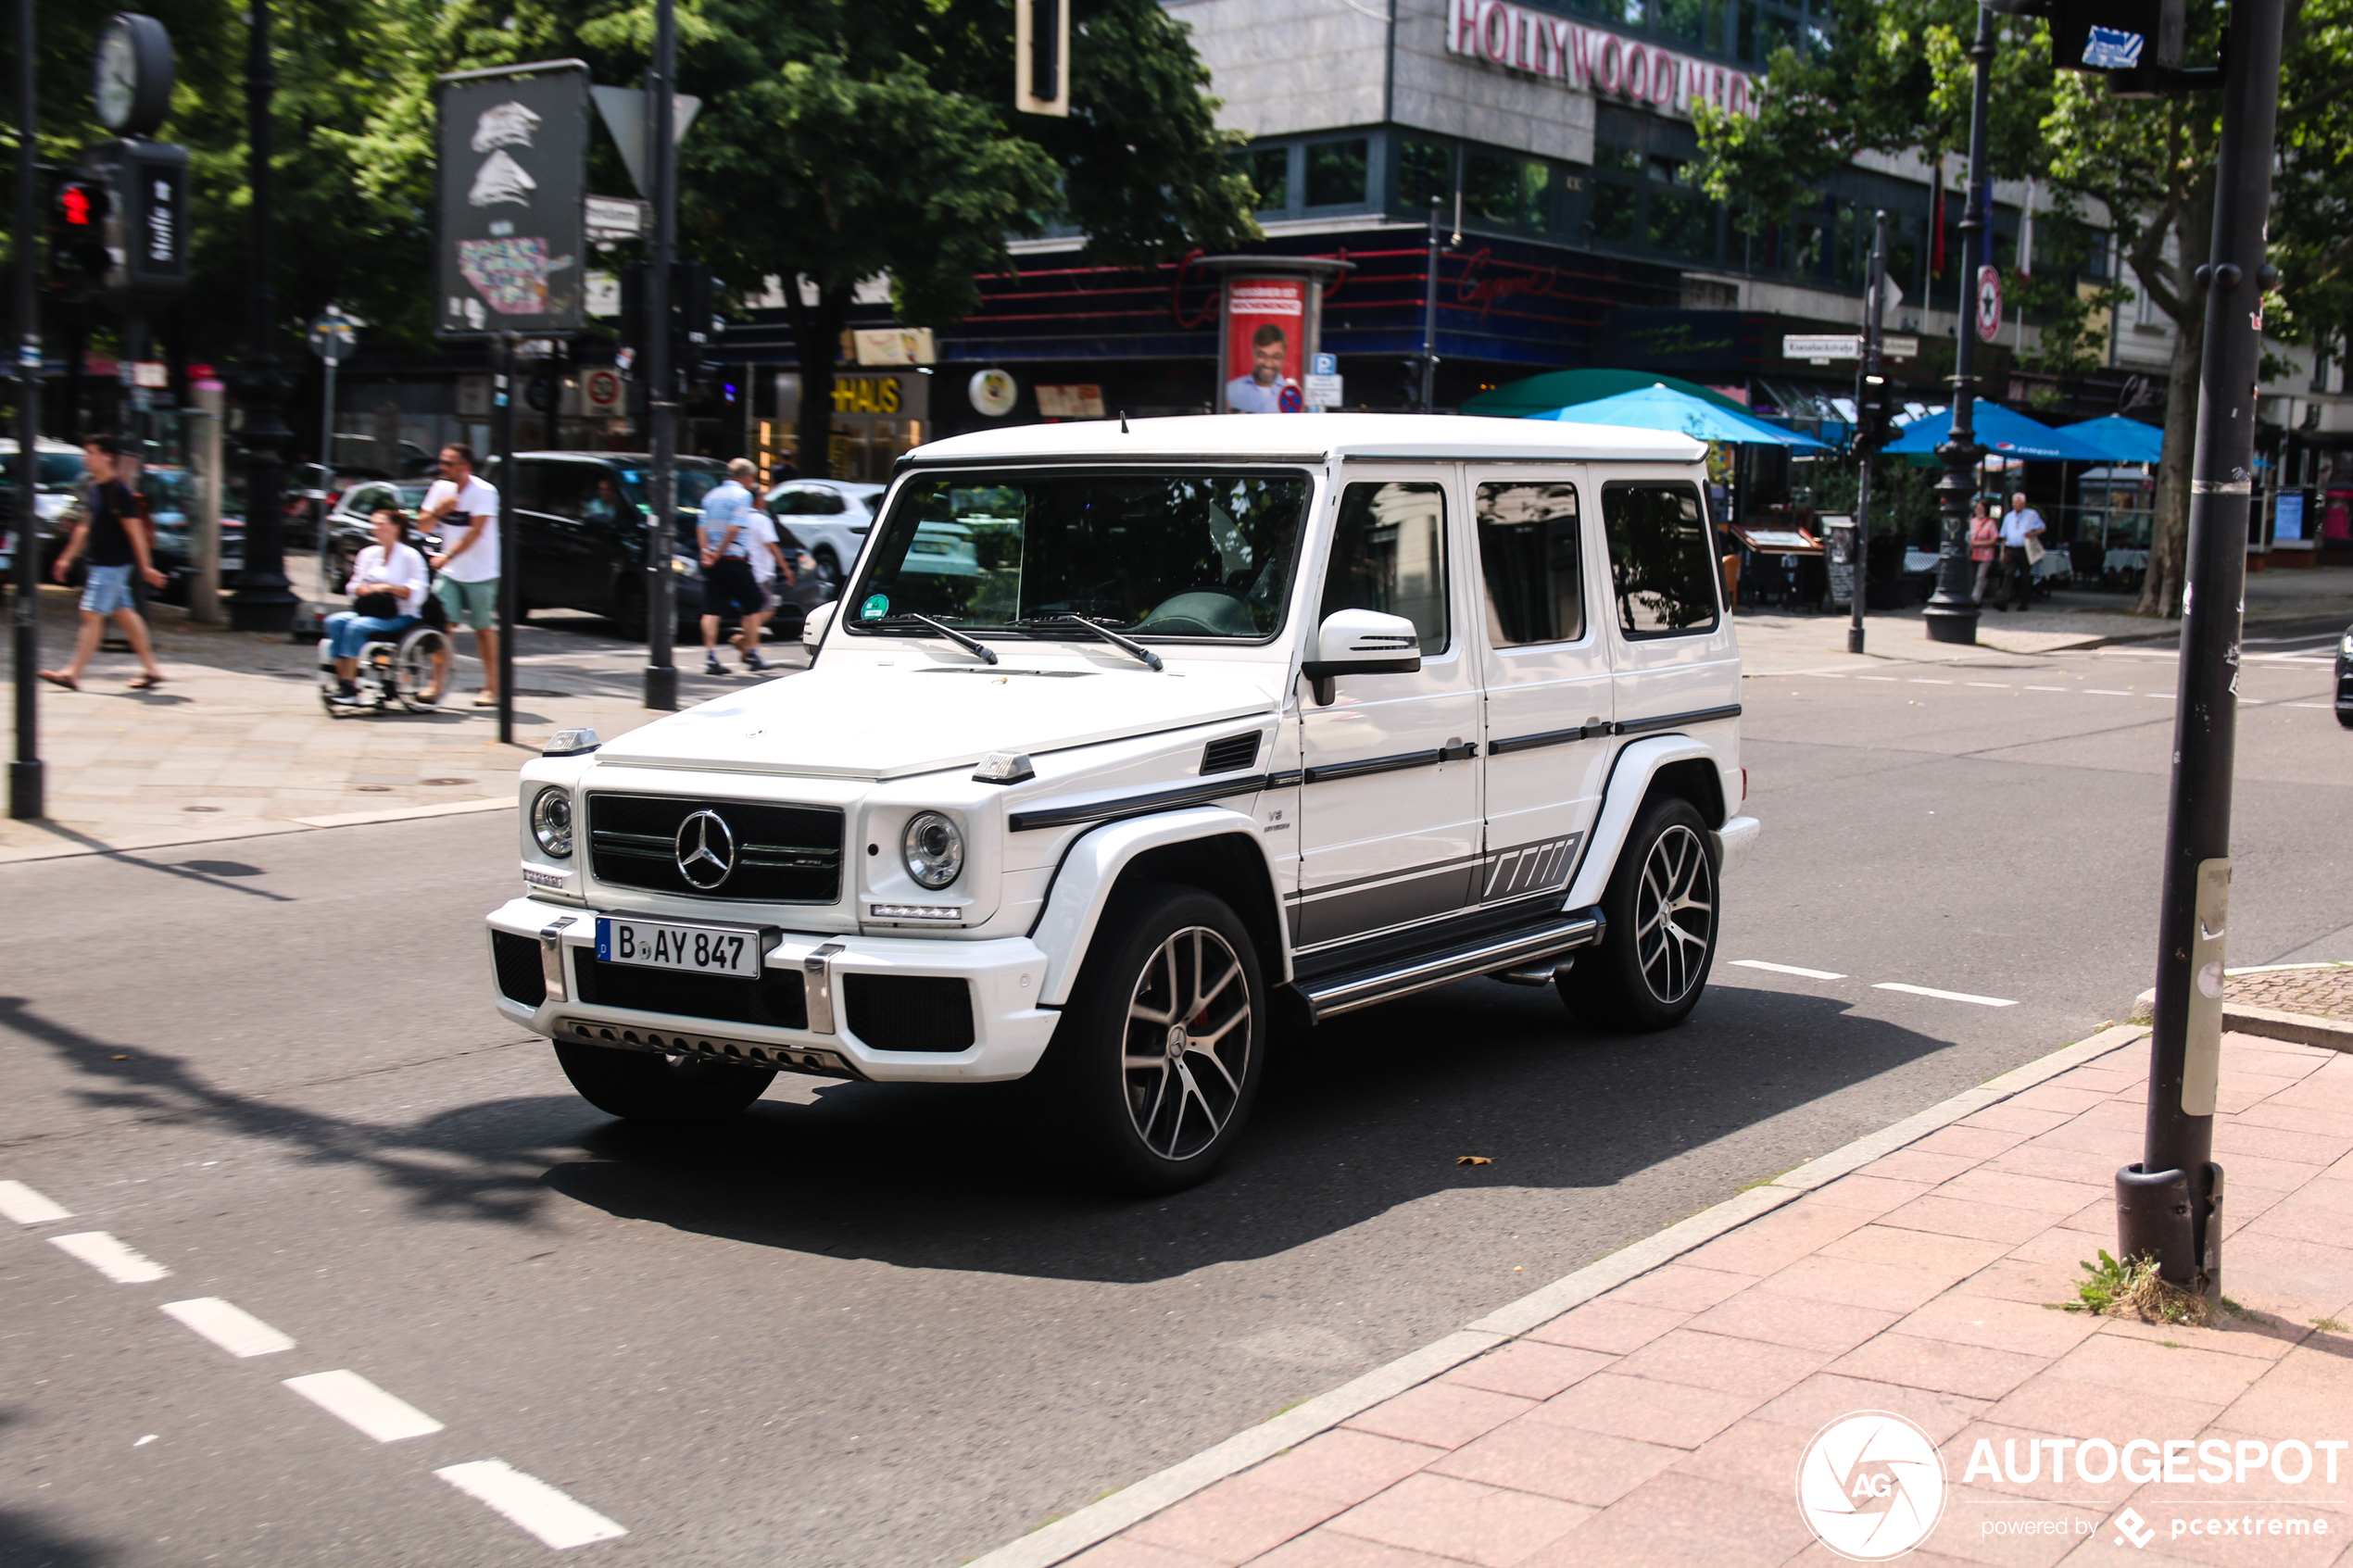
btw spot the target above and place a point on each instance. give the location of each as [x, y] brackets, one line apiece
[106, 589]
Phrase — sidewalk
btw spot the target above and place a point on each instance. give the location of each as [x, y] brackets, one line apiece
[1656, 1407]
[235, 743]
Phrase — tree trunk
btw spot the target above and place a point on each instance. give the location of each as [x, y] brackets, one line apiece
[816, 332]
[2170, 528]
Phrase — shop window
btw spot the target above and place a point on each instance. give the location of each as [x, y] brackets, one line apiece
[1659, 559]
[1268, 171]
[1618, 213]
[1513, 191]
[1690, 22]
[1425, 170]
[1611, 156]
[1336, 173]
[1527, 552]
[1683, 221]
[1389, 554]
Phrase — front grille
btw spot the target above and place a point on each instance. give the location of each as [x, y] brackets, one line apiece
[516, 960]
[785, 854]
[775, 998]
[906, 1012]
[1230, 755]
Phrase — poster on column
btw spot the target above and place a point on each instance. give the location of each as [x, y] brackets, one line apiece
[513, 161]
[1265, 345]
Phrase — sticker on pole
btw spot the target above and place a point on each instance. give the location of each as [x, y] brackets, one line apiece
[1989, 303]
[2112, 48]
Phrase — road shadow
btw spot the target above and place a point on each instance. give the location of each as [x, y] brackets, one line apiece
[1371, 1112]
[27, 1541]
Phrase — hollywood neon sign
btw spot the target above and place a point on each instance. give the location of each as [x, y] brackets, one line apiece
[1559, 50]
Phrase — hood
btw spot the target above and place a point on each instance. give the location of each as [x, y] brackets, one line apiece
[855, 719]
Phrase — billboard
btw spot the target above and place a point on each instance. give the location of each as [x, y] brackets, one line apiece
[513, 169]
[1266, 349]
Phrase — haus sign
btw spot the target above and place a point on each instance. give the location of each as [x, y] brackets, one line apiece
[1540, 43]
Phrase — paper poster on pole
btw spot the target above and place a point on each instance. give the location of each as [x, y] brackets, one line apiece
[1265, 345]
[513, 159]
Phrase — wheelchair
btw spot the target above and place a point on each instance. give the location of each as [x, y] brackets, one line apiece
[395, 670]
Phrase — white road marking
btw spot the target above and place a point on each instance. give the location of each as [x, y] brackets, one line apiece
[1924, 681]
[26, 1206]
[1944, 996]
[1888, 678]
[1995, 685]
[2320, 705]
[110, 1258]
[529, 1502]
[231, 1327]
[1788, 969]
[2049, 688]
[2102, 691]
[352, 1397]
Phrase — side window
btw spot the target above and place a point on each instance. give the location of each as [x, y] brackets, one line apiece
[1389, 554]
[531, 485]
[1659, 559]
[563, 488]
[1529, 554]
[808, 501]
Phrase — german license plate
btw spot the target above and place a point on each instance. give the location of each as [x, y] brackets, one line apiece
[698, 949]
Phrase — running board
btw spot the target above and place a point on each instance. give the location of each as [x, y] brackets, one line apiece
[1329, 995]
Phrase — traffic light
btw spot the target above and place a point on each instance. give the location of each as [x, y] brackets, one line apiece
[79, 208]
[1874, 414]
[119, 225]
[1041, 56]
[693, 320]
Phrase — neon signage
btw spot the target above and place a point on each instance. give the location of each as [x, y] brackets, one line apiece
[1540, 44]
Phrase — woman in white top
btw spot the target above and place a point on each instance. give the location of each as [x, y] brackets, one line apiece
[385, 567]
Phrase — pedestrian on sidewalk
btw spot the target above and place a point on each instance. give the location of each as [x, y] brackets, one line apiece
[769, 565]
[1984, 545]
[111, 535]
[388, 587]
[2021, 546]
[728, 587]
[467, 509]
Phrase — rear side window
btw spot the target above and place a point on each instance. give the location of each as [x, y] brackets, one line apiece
[1530, 555]
[1389, 554]
[1660, 559]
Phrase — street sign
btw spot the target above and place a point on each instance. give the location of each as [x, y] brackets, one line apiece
[623, 111]
[1906, 345]
[1321, 391]
[1989, 303]
[1832, 345]
[513, 169]
[616, 218]
[601, 389]
[332, 338]
[1323, 364]
[152, 375]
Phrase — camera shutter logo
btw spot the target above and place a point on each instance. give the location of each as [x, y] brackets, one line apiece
[1871, 1486]
[706, 850]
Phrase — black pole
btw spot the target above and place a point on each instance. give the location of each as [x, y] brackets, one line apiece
[264, 601]
[1951, 612]
[1869, 385]
[2170, 1206]
[1429, 317]
[24, 769]
[661, 380]
[502, 436]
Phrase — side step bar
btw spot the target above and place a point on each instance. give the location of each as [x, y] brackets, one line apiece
[1330, 995]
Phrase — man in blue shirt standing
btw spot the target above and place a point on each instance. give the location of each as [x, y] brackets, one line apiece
[728, 587]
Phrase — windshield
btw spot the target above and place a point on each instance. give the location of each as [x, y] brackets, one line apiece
[53, 471]
[1180, 555]
[693, 485]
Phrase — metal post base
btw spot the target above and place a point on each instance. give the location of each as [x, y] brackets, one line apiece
[27, 784]
[2154, 1219]
[267, 605]
[1855, 638]
[661, 687]
[1950, 623]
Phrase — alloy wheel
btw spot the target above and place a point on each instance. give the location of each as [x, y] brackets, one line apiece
[1674, 914]
[1186, 1055]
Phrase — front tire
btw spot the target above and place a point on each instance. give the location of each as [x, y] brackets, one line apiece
[1662, 915]
[668, 1091]
[1157, 1060]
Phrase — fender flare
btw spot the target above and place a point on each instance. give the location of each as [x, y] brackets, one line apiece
[1630, 773]
[1090, 868]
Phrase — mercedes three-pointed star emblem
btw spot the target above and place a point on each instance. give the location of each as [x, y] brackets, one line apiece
[706, 850]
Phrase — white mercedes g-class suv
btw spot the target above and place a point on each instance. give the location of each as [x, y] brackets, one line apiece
[1202, 723]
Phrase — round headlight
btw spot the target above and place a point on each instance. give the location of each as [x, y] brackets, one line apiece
[552, 822]
[935, 850]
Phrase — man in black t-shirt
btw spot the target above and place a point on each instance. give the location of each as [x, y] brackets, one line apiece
[112, 537]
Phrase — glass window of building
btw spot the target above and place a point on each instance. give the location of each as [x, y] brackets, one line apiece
[1616, 212]
[1336, 173]
[1517, 192]
[1776, 30]
[1268, 171]
[1691, 22]
[1425, 170]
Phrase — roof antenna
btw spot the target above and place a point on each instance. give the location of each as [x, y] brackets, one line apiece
[1123, 422]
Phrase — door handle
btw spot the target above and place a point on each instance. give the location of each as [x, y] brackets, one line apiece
[1457, 751]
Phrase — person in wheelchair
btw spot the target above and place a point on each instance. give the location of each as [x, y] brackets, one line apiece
[388, 586]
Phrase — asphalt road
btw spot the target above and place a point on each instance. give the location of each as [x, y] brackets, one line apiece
[857, 1327]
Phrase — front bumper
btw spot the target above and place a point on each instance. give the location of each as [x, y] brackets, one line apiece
[1734, 840]
[1005, 975]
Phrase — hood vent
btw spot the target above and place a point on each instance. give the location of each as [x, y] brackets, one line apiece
[1230, 755]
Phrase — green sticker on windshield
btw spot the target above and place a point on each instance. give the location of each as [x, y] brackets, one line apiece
[876, 607]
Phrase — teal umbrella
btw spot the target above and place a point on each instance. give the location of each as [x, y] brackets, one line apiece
[2001, 432]
[1660, 407]
[1558, 389]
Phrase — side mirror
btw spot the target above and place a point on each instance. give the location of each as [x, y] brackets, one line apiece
[814, 625]
[1361, 642]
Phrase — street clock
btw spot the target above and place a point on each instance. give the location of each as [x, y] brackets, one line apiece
[130, 78]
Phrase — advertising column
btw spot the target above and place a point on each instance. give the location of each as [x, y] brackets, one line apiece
[1271, 327]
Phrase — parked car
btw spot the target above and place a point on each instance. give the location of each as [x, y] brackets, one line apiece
[58, 478]
[348, 528]
[831, 518]
[171, 493]
[1263, 716]
[2345, 678]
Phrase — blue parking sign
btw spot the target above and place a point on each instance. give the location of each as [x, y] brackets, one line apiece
[1325, 365]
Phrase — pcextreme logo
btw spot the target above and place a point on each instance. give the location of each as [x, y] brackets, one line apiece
[1871, 1486]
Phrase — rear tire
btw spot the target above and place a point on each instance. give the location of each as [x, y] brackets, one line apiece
[1154, 1067]
[1661, 914]
[668, 1091]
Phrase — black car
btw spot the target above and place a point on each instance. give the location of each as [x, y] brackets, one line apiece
[2345, 678]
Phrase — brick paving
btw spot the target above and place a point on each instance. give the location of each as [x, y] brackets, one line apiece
[2317, 991]
[1663, 1421]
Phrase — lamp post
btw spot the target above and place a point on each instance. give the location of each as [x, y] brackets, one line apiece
[1871, 391]
[263, 601]
[1951, 613]
[24, 769]
[1429, 317]
[662, 374]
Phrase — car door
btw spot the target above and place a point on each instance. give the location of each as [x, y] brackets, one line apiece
[1549, 699]
[1672, 657]
[539, 546]
[1388, 803]
[822, 519]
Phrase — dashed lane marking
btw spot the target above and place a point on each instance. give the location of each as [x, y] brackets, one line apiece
[110, 1258]
[1788, 969]
[26, 1206]
[1924, 681]
[2103, 691]
[2048, 688]
[230, 1326]
[2319, 704]
[1991, 686]
[1888, 678]
[531, 1503]
[352, 1398]
[1944, 996]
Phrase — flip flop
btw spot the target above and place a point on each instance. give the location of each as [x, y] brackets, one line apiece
[146, 683]
[56, 680]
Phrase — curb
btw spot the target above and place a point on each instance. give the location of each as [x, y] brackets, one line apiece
[226, 832]
[2271, 1024]
[1091, 1525]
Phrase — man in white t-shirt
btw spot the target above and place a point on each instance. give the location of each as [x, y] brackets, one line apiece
[465, 511]
[2021, 523]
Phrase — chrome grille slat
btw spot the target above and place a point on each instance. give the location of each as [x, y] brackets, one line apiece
[785, 853]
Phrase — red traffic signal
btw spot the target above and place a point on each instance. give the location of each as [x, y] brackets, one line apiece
[73, 206]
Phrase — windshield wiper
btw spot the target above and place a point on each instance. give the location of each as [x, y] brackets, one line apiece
[1100, 629]
[906, 620]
